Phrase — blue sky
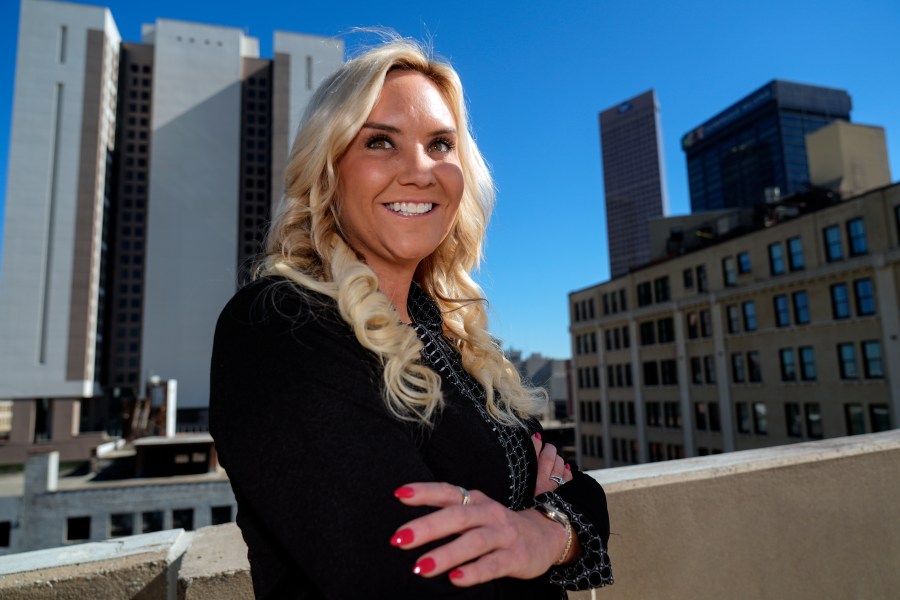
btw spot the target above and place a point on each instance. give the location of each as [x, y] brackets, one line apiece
[538, 73]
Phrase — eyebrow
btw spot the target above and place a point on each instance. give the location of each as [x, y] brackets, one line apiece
[392, 129]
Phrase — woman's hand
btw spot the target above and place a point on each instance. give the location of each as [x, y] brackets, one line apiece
[550, 464]
[493, 541]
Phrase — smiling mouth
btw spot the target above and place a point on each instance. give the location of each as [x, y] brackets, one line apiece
[410, 209]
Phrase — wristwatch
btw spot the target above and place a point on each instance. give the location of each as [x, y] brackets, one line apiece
[554, 514]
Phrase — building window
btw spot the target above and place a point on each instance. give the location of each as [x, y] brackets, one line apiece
[776, 259]
[865, 297]
[847, 361]
[702, 285]
[749, 315]
[743, 417]
[709, 368]
[183, 518]
[734, 318]
[738, 374]
[833, 248]
[744, 265]
[792, 419]
[696, 370]
[788, 364]
[856, 237]
[807, 363]
[840, 301]
[661, 289]
[879, 417]
[754, 369]
[665, 329]
[855, 419]
[78, 528]
[714, 423]
[813, 420]
[687, 277]
[693, 325]
[796, 261]
[782, 311]
[801, 307]
[152, 521]
[121, 524]
[648, 333]
[760, 420]
[651, 373]
[705, 323]
[672, 414]
[644, 294]
[729, 271]
[872, 365]
[5, 530]
[669, 372]
[700, 416]
[654, 414]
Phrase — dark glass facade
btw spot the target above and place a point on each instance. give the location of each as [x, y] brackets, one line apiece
[758, 144]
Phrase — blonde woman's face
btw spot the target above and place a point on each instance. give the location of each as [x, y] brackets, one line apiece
[400, 179]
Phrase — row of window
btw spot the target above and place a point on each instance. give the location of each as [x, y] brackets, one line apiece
[586, 343]
[588, 377]
[123, 524]
[663, 414]
[857, 244]
[734, 266]
[659, 292]
[619, 376]
[663, 372]
[614, 302]
[584, 310]
[657, 451]
[625, 450]
[618, 338]
[661, 331]
[592, 445]
[795, 364]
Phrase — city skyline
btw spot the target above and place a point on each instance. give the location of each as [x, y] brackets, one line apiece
[538, 130]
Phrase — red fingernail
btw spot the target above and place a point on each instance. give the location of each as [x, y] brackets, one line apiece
[568, 468]
[404, 492]
[537, 435]
[402, 537]
[426, 565]
[456, 574]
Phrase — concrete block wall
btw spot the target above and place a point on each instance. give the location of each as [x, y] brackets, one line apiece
[806, 521]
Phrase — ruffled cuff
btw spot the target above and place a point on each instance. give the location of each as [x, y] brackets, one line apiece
[593, 568]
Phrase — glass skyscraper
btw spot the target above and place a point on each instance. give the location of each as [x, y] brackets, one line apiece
[757, 144]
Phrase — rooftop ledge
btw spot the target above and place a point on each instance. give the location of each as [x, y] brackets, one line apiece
[806, 521]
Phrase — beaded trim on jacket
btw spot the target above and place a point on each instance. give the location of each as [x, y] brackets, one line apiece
[446, 361]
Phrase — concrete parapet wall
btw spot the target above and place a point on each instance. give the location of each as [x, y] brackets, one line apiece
[806, 521]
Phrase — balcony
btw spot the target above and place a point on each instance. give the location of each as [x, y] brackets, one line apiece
[806, 521]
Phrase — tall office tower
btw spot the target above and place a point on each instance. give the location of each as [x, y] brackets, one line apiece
[141, 178]
[60, 168]
[755, 149]
[633, 178]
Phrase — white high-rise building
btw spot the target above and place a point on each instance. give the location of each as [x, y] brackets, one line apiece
[140, 179]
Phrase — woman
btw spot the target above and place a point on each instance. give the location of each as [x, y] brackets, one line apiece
[374, 435]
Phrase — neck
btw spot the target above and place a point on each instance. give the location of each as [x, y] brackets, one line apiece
[396, 288]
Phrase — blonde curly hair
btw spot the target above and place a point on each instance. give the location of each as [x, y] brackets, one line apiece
[306, 246]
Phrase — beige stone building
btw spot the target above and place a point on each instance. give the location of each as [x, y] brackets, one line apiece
[777, 335]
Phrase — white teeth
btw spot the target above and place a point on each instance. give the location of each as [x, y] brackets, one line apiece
[410, 208]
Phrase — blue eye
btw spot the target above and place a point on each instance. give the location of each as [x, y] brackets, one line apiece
[379, 142]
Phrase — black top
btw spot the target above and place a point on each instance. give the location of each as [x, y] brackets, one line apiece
[314, 457]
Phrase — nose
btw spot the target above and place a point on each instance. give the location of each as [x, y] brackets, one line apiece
[417, 168]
